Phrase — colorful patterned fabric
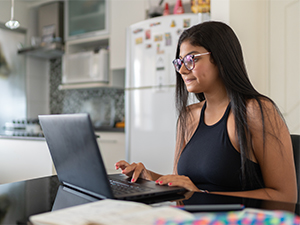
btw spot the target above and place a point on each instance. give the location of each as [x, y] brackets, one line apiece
[245, 217]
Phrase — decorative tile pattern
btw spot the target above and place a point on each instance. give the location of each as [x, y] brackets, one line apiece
[105, 105]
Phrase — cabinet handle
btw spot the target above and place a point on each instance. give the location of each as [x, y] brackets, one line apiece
[108, 141]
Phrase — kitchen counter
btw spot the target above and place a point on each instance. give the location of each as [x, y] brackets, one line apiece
[6, 136]
[109, 129]
[27, 157]
[24, 158]
[40, 137]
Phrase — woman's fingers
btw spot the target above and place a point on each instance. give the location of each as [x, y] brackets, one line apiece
[121, 165]
[140, 171]
[167, 180]
[135, 170]
[128, 170]
[177, 180]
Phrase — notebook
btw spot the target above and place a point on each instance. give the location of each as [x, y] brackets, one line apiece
[78, 162]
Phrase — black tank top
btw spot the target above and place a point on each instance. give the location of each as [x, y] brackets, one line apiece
[210, 160]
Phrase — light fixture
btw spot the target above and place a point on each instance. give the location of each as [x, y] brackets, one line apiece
[12, 24]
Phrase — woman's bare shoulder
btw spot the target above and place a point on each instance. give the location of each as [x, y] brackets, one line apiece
[264, 114]
[255, 108]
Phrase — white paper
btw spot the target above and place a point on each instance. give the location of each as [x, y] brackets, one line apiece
[110, 212]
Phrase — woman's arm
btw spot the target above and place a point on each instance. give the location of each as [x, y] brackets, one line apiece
[274, 154]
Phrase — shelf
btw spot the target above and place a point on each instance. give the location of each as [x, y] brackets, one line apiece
[86, 44]
[103, 39]
[82, 85]
[51, 51]
[86, 86]
[90, 16]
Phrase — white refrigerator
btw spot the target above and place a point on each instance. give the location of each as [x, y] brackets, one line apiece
[150, 113]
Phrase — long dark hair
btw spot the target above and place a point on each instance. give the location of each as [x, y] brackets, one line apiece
[226, 53]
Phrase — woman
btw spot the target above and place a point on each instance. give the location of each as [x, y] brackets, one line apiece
[234, 141]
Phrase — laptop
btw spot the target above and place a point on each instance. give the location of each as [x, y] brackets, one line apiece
[79, 165]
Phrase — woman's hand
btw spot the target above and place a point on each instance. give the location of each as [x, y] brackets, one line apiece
[178, 180]
[134, 170]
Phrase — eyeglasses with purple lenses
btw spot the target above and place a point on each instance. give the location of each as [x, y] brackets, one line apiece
[188, 61]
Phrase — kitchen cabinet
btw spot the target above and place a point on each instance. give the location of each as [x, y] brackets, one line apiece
[113, 38]
[86, 32]
[112, 148]
[30, 158]
[23, 159]
[86, 19]
[117, 20]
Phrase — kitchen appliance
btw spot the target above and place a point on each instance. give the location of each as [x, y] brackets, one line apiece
[150, 113]
[23, 128]
[84, 67]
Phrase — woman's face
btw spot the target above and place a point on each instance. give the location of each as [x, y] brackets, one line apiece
[205, 74]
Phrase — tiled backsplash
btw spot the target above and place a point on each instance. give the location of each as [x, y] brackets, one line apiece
[105, 105]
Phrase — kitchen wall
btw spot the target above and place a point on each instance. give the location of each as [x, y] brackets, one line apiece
[21, 11]
[105, 105]
[43, 78]
[12, 77]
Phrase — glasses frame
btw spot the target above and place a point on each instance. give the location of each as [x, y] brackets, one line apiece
[184, 63]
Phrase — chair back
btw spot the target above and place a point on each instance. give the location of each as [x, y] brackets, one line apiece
[296, 150]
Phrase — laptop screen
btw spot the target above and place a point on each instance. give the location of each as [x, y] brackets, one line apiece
[75, 153]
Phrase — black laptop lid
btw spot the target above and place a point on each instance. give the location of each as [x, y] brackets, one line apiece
[75, 153]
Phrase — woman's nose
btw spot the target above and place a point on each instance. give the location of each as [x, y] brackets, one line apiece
[183, 70]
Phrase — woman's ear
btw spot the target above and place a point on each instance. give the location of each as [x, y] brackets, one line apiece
[211, 59]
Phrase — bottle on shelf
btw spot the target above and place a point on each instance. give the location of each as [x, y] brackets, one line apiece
[166, 10]
[200, 6]
[178, 9]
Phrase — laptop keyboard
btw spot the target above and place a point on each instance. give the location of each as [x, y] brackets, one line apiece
[125, 187]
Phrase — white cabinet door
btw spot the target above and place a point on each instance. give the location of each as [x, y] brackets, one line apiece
[86, 19]
[112, 148]
[24, 159]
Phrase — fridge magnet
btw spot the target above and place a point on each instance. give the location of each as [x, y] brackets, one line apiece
[148, 34]
[179, 31]
[168, 39]
[173, 24]
[137, 30]
[158, 37]
[186, 23]
[154, 24]
[148, 45]
[139, 40]
[158, 50]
